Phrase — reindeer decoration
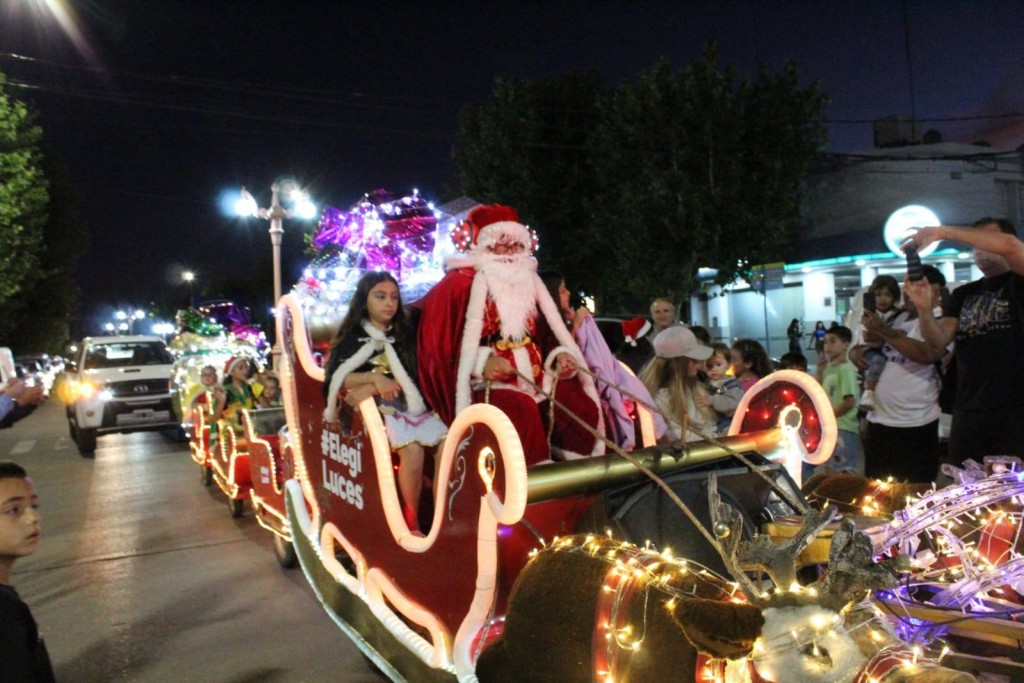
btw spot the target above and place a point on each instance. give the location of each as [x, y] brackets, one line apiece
[598, 609]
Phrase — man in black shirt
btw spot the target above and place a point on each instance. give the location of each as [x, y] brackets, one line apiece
[986, 319]
[23, 656]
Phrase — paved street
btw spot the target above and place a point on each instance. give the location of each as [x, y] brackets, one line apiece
[142, 574]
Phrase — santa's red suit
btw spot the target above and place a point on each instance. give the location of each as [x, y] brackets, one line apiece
[461, 326]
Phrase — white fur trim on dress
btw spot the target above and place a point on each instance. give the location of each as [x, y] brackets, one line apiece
[377, 342]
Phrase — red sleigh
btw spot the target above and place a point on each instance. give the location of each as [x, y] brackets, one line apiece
[199, 441]
[270, 466]
[423, 608]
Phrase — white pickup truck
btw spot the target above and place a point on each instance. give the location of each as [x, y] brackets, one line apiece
[119, 385]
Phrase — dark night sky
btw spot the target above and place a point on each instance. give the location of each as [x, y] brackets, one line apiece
[189, 99]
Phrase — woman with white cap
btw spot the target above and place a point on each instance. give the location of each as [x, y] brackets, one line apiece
[672, 379]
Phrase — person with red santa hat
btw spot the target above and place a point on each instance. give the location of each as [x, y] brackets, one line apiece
[489, 331]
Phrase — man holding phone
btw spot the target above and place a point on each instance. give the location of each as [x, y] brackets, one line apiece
[986, 319]
[902, 438]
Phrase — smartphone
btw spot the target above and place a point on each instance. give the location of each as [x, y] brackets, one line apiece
[914, 270]
[869, 301]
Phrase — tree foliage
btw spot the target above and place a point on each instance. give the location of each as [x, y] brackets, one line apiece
[634, 188]
[38, 318]
[23, 194]
[527, 147]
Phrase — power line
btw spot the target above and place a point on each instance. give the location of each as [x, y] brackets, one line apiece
[271, 118]
[261, 90]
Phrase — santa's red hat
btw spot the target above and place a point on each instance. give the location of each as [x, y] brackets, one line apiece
[488, 224]
[635, 329]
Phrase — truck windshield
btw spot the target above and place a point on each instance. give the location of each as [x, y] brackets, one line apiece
[127, 354]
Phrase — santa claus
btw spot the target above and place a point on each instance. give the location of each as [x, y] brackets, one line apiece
[489, 331]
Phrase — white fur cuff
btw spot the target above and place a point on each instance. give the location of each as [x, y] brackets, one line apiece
[482, 354]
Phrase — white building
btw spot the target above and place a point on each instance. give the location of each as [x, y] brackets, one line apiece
[849, 199]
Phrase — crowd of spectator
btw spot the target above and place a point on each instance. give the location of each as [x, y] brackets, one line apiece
[916, 352]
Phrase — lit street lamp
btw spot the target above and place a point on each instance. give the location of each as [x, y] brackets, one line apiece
[163, 329]
[299, 206]
[189, 277]
[125, 321]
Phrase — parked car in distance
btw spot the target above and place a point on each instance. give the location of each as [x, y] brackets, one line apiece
[40, 368]
[118, 385]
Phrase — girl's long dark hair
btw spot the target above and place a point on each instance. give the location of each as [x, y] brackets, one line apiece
[752, 352]
[357, 311]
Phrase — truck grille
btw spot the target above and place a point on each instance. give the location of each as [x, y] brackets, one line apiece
[138, 388]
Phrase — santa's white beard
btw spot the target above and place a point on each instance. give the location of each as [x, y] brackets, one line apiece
[510, 283]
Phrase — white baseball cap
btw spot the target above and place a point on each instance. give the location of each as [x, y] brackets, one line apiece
[673, 342]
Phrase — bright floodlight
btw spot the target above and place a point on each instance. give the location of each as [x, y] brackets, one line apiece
[121, 315]
[188, 276]
[905, 219]
[139, 314]
[109, 327]
[305, 209]
[246, 205]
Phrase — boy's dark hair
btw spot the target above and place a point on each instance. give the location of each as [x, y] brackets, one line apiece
[793, 360]
[887, 283]
[842, 332]
[11, 470]
[934, 276]
[1004, 225]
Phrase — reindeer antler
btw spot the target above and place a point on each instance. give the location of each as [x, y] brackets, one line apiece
[727, 525]
[852, 571]
[779, 561]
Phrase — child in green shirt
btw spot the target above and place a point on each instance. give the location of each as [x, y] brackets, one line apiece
[838, 376]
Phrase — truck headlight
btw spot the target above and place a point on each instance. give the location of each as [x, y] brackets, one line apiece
[87, 390]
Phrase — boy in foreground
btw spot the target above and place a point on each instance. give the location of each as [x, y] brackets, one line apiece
[23, 656]
[838, 376]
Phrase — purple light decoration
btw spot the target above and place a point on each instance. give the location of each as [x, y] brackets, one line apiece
[381, 232]
[979, 489]
[235, 319]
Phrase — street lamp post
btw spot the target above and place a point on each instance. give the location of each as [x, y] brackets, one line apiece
[301, 207]
[276, 215]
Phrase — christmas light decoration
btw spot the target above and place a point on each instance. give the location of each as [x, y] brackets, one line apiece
[963, 543]
[210, 335]
[405, 236]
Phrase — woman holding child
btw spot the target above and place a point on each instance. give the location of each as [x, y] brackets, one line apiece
[672, 378]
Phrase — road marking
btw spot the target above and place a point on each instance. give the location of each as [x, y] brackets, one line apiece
[23, 447]
[62, 443]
